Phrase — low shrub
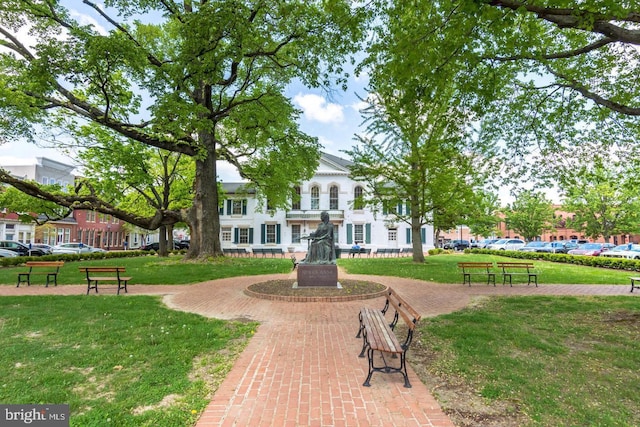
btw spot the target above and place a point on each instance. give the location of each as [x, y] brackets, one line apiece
[590, 261]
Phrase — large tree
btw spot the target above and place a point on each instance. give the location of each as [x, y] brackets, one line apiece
[421, 146]
[570, 68]
[530, 214]
[604, 201]
[546, 75]
[201, 78]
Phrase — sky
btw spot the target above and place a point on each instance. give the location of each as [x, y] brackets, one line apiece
[332, 118]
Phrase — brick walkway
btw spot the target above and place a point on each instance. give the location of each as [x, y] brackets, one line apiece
[302, 368]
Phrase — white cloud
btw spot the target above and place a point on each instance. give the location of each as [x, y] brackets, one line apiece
[84, 19]
[316, 108]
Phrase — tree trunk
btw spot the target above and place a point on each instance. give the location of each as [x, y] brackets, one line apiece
[416, 235]
[204, 218]
[162, 241]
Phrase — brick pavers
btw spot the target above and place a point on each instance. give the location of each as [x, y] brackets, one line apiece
[301, 368]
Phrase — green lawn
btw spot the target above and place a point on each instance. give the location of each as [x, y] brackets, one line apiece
[560, 361]
[557, 361]
[443, 269]
[152, 270]
[114, 359]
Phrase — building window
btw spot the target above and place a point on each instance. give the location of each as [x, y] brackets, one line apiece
[393, 235]
[226, 234]
[358, 204]
[358, 232]
[236, 207]
[295, 204]
[295, 233]
[315, 197]
[243, 235]
[333, 197]
[270, 233]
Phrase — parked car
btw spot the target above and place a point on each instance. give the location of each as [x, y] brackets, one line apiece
[630, 251]
[558, 247]
[591, 249]
[457, 245]
[6, 253]
[579, 241]
[20, 248]
[481, 244]
[507, 244]
[181, 244]
[155, 246]
[533, 246]
[47, 249]
[94, 249]
[71, 248]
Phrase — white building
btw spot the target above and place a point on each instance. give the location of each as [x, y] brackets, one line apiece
[331, 189]
[43, 171]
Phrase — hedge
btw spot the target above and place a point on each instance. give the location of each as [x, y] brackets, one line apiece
[591, 261]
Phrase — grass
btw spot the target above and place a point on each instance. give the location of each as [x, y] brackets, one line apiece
[116, 361]
[152, 270]
[443, 269]
[561, 361]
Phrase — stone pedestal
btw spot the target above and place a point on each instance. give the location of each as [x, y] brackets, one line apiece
[317, 275]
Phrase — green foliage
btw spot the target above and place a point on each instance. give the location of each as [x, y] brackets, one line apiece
[530, 215]
[604, 200]
[205, 80]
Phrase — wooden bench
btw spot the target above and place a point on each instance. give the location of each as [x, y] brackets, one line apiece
[510, 269]
[49, 269]
[477, 269]
[96, 274]
[378, 334]
[633, 283]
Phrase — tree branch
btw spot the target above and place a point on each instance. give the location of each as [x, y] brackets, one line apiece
[91, 202]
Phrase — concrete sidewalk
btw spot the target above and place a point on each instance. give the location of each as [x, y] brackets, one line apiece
[301, 368]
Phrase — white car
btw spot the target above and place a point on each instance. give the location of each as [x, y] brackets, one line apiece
[507, 245]
[623, 251]
[71, 248]
[6, 253]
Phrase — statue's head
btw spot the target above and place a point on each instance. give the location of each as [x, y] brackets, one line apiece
[324, 216]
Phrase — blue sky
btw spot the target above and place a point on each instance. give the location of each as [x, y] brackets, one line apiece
[332, 118]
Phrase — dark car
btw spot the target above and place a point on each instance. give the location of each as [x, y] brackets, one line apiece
[181, 244]
[155, 246]
[457, 245]
[20, 248]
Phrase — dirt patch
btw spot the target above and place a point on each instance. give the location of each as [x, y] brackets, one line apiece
[284, 287]
[458, 399]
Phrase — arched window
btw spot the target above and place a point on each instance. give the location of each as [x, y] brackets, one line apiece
[358, 204]
[333, 197]
[315, 197]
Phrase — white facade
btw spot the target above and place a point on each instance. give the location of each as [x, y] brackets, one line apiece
[331, 190]
[43, 171]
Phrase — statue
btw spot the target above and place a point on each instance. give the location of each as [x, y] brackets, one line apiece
[321, 248]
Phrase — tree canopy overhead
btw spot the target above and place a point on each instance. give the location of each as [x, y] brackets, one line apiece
[201, 78]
